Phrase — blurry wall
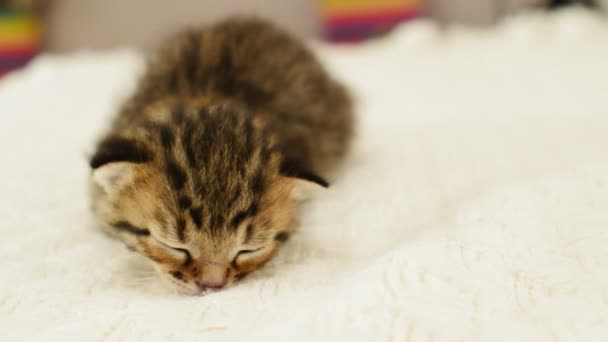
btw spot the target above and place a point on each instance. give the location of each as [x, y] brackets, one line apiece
[476, 12]
[111, 23]
[471, 12]
[141, 23]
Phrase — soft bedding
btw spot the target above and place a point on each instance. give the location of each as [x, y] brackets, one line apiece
[474, 205]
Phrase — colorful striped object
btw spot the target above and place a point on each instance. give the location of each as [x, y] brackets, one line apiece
[20, 38]
[355, 20]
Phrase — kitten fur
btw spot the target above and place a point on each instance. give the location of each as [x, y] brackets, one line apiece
[202, 169]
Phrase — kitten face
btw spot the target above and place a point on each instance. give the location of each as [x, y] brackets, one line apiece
[191, 252]
[203, 198]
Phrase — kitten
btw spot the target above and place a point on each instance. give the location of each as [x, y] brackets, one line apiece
[202, 169]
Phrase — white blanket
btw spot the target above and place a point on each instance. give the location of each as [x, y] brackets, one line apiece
[473, 207]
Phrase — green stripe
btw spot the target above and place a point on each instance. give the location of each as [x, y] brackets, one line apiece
[11, 12]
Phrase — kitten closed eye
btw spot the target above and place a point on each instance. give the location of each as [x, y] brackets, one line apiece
[182, 250]
[248, 252]
[182, 254]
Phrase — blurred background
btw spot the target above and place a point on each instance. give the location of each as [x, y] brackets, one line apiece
[29, 27]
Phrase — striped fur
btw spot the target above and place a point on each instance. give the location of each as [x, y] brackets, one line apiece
[224, 123]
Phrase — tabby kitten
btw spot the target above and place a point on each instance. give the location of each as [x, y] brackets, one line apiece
[230, 126]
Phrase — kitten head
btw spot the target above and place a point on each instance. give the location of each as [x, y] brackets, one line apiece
[202, 193]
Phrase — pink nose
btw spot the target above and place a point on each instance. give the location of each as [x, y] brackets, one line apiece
[212, 277]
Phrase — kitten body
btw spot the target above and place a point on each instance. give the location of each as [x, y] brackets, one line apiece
[229, 126]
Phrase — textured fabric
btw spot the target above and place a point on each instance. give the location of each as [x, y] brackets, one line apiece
[473, 207]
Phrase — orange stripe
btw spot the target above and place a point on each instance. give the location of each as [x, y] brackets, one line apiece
[347, 7]
[370, 18]
[19, 47]
[19, 42]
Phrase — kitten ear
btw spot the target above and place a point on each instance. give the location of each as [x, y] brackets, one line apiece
[115, 161]
[304, 189]
[114, 177]
[119, 149]
[305, 183]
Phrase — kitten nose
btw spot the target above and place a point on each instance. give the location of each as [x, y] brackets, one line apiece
[212, 277]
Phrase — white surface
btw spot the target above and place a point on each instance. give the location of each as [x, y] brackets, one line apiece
[474, 206]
